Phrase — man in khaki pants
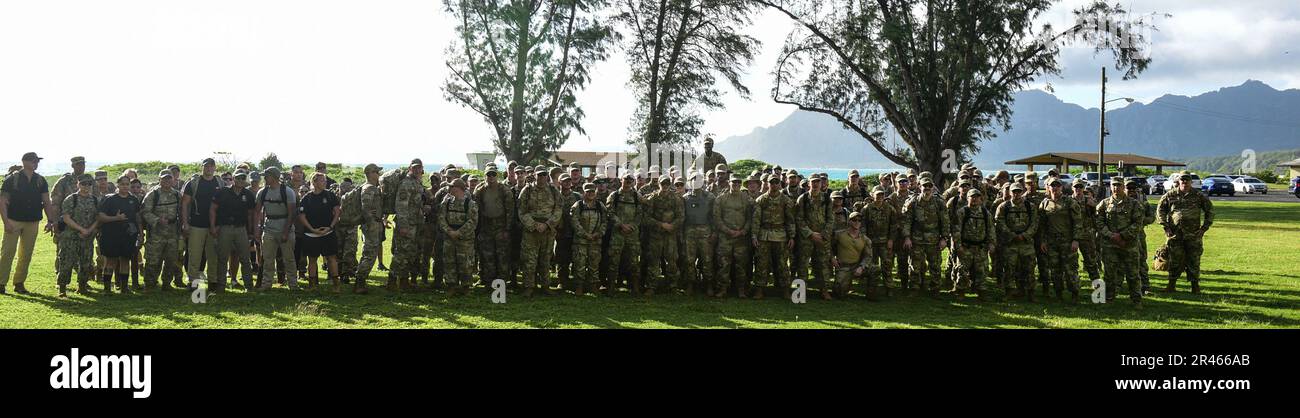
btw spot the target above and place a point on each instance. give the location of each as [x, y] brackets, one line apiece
[196, 201]
[24, 195]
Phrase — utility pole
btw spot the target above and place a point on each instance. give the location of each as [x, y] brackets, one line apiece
[1101, 142]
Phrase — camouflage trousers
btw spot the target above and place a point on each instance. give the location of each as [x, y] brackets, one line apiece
[232, 239]
[586, 263]
[563, 260]
[926, 265]
[799, 258]
[1041, 258]
[903, 262]
[75, 253]
[1091, 259]
[1184, 256]
[661, 259]
[1121, 267]
[162, 254]
[406, 254]
[816, 257]
[698, 254]
[459, 257]
[429, 252]
[535, 251]
[733, 261]
[1018, 264]
[771, 259]
[347, 251]
[623, 247]
[883, 256]
[371, 233]
[493, 250]
[1063, 266]
[845, 276]
[971, 269]
[1142, 270]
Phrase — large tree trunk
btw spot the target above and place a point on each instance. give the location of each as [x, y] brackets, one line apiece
[517, 150]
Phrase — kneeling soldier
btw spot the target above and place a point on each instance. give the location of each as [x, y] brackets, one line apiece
[852, 260]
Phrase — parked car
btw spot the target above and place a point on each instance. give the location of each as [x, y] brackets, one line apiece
[1249, 185]
[1217, 186]
[1295, 186]
[1196, 183]
[1093, 181]
[1066, 179]
[1156, 184]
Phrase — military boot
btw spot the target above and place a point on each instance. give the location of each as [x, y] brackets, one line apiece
[83, 285]
[63, 290]
[1170, 288]
[392, 284]
[122, 284]
[579, 291]
[1196, 287]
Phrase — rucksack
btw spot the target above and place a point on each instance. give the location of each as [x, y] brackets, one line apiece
[284, 196]
[388, 185]
[350, 208]
[155, 192]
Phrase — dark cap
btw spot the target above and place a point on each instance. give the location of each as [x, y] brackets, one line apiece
[416, 162]
[271, 172]
[31, 156]
[78, 160]
[161, 174]
[371, 168]
[209, 161]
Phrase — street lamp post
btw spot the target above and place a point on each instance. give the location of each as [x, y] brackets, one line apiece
[1101, 142]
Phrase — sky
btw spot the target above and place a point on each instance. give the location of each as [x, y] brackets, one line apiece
[356, 82]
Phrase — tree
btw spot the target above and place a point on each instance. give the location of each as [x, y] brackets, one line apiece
[678, 49]
[270, 160]
[519, 63]
[940, 73]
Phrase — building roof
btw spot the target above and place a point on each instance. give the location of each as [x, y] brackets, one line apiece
[1292, 163]
[1086, 158]
[587, 158]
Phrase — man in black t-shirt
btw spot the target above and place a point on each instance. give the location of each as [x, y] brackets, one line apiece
[231, 217]
[319, 215]
[196, 203]
[23, 197]
[119, 220]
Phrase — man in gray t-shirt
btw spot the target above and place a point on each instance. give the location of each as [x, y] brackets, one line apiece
[276, 208]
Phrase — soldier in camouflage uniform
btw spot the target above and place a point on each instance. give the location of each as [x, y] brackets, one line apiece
[372, 227]
[457, 218]
[1148, 217]
[852, 259]
[347, 256]
[496, 209]
[973, 238]
[564, 235]
[407, 223]
[587, 222]
[161, 215]
[731, 217]
[1118, 220]
[431, 238]
[77, 245]
[1035, 198]
[624, 208]
[665, 217]
[1060, 229]
[1017, 224]
[856, 193]
[699, 237]
[902, 255]
[1088, 240]
[925, 232]
[539, 215]
[1186, 215]
[65, 186]
[881, 223]
[815, 225]
[772, 231]
[710, 159]
[955, 198]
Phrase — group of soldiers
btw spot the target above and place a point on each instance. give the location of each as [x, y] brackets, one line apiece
[708, 229]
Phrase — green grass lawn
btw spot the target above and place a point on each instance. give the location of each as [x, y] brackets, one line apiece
[1250, 280]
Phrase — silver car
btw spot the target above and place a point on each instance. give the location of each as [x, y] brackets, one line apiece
[1248, 184]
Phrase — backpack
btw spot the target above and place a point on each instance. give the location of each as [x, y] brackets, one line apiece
[350, 208]
[154, 193]
[284, 196]
[388, 184]
[446, 206]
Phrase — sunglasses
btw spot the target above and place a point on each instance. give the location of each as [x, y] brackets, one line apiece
[928, 186]
[87, 183]
[1017, 191]
[1056, 185]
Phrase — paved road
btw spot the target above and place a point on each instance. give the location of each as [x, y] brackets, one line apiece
[1272, 196]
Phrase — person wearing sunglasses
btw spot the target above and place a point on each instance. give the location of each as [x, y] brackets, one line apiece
[1118, 220]
[925, 235]
[1186, 215]
[1017, 223]
[76, 229]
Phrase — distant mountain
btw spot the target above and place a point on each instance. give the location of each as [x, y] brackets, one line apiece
[1223, 122]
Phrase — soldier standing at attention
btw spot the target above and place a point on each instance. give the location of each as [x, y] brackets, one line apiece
[372, 227]
[709, 159]
[65, 186]
[856, 193]
[539, 215]
[625, 218]
[1118, 220]
[162, 245]
[1035, 199]
[665, 219]
[1060, 230]
[231, 217]
[496, 208]
[700, 239]
[925, 235]
[902, 255]
[772, 232]
[77, 246]
[564, 235]
[1186, 215]
[815, 225]
[882, 224]
[1017, 222]
[587, 223]
[459, 217]
[731, 217]
[1088, 243]
[972, 231]
[839, 213]
[852, 259]
[407, 222]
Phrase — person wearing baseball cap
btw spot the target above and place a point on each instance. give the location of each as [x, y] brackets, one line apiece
[25, 199]
[65, 186]
[196, 204]
[710, 159]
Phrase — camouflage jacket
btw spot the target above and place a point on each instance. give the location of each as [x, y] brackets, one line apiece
[459, 215]
[925, 220]
[731, 211]
[1181, 213]
[973, 226]
[813, 215]
[497, 201]
[665, 206]
[540, 203]
[82, 210]
[1016, 218]
[1121, 216]
[410, 203]
[773, 218]
[372, 203]
[585, 220]
[625, 208]
[1061, 220]
[881, 221]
